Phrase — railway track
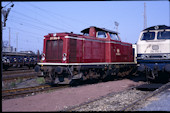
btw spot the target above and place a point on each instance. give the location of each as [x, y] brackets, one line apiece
[20, 75]
[13, 93]
[145, 97]
[16, 72]
[16, 69]
[122, 101]
[12, 79]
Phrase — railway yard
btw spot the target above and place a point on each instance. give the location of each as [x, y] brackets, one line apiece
[23, 89]
[98, 68]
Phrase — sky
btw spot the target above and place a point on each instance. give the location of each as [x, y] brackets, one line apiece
[28, 22]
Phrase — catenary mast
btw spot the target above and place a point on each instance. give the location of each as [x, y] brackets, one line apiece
[145, 21]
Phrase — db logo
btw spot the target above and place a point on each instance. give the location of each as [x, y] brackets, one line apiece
[118, 52]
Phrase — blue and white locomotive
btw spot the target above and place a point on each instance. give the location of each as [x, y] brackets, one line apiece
[153, 53]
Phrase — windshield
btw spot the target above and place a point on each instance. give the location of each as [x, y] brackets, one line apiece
[101, 34]
[148, 36]
[114, 36]
[163, 35]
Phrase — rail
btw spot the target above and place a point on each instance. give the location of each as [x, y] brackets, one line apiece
[12, 93]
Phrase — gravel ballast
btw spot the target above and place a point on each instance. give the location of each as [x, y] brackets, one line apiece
[67, 97]
[115, 102]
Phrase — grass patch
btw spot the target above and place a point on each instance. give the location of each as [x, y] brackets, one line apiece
[40, 80]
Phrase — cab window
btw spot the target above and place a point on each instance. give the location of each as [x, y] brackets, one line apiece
[163, 35]
[86, 34]
[148, 36]
[101, 34]
[114, 36]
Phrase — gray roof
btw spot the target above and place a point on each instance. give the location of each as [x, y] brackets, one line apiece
[98, 29]
[157, 27]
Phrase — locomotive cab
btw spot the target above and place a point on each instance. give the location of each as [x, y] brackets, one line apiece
[153, 52]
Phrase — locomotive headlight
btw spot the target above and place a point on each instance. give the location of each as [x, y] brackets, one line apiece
[43, 57]
[168, 55]
[142, 56]
[64, 57]
[54, 34]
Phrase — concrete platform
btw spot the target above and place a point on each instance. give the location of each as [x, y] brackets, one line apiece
[160, 102]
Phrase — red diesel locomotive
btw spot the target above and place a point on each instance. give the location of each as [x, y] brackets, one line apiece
[97, 54]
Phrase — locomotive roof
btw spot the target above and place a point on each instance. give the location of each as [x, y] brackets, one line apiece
[17, 53]
[98, 29]
[158, 27]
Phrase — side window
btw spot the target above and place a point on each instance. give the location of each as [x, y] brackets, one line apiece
[101, 34]
[86, 34]
[114, 36]
[163, 35]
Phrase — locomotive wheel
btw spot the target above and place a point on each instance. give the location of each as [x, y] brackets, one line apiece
[75, 82]
[109, 75]
[162, 78]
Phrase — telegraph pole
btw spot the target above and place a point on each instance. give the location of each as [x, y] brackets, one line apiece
[145, 21]
[9, 37]
[16, 41]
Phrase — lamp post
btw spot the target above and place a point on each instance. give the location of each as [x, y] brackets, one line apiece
[116, 24]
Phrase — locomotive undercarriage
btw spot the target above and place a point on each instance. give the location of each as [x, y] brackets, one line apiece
[76, 74]
[155, 72]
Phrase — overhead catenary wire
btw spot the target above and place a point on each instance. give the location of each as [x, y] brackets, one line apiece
[42, 23]
[26, 41]
[31, 35]
[26, 31]
[30, 21]
[57, 28]
[32, 25]
[24, 21]
[46, 15]
[57, 14]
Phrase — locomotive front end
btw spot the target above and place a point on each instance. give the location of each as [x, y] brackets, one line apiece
[153, 53]
[54, 58]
